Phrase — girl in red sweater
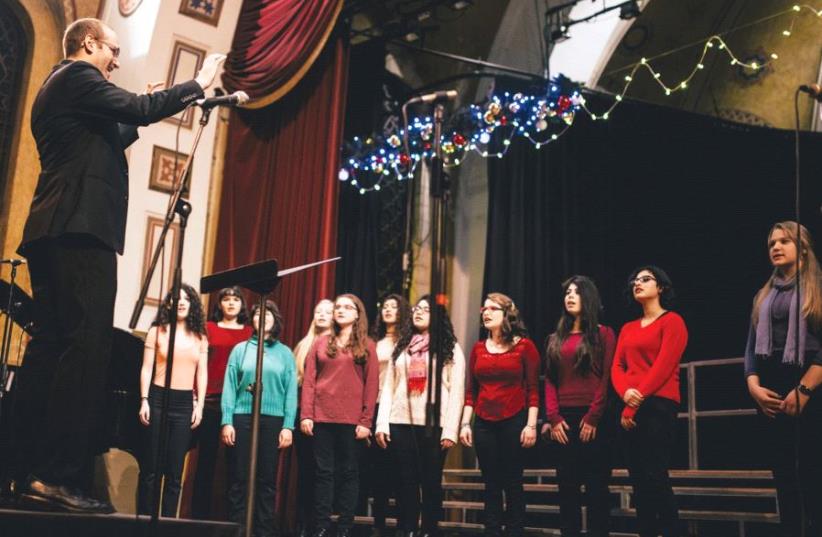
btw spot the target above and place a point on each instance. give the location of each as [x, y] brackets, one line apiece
[645, 374]
[578, 363]
[501, 387]
[337, 407]
[229, 325]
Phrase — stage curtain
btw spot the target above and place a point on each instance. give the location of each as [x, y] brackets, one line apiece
[275, 44]
[280, 187]
[693, 194]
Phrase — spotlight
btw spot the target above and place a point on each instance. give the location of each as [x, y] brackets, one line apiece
[629, 10]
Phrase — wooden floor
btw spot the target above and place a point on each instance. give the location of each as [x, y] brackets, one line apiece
[14, 523]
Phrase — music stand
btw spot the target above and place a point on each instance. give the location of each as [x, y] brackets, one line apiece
[261, 278]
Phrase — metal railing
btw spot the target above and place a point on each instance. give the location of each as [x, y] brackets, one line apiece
[692, 414]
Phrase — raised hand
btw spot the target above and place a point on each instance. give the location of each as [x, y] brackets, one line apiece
[208, 72]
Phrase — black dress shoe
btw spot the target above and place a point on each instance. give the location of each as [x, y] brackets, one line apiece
[43, 496]
[105, 506]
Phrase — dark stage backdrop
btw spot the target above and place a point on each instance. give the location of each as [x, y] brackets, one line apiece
[692, 194]
[371, 227]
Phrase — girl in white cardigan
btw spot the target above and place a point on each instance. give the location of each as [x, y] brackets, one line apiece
[401, 417]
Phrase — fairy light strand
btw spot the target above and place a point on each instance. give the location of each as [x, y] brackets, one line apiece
[540, 119]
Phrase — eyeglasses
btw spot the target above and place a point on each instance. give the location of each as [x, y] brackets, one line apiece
[421, 309]
[349, 307]
[490, 308]
[642, 279]
[115, 51]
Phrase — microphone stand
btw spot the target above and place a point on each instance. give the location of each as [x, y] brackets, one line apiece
[5, 346]
[177, 206]
[803, 516]
[439, 210]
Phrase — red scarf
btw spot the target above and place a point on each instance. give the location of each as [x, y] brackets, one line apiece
[417, 370]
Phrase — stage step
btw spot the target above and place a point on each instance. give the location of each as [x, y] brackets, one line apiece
[478, 528]
[623, 473]
[469, 527]
[685, 514]
[619, 489]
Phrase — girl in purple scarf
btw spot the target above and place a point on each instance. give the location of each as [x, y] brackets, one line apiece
[783, 368]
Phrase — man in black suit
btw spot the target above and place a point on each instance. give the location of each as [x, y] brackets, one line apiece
[76, 226]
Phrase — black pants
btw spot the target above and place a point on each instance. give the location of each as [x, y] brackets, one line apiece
[419, 461]
[581, 463]
[61, 392]
[306, 468]
[375, 469]
[268, 456]
[335, 455]
[207, 438]
[649, 447]
[779, 437]
[500, 455]
[180, 408]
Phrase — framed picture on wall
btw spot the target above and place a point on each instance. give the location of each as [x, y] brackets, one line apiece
[186, 60]
[207, 11]
[164, 270]
[166, 165]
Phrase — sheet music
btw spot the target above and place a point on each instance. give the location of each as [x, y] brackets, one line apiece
[286, 272]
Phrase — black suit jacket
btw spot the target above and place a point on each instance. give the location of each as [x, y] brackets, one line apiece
[82, 124]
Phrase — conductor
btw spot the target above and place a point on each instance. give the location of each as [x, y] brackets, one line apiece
[82, 124]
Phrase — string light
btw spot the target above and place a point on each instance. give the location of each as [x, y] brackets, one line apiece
[714, 41]
[528, 116]
[485, 130]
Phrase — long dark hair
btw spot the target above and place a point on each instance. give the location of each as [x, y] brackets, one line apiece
[195, 321]
[591, 349]
[449, 340]
[358, 342]
[379, 328]
[271, 307]
[217, 311]
[512, 323]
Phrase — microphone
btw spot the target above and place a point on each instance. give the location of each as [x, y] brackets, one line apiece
[814, 90]
[12, 262]
[437, 96]
[236, 98]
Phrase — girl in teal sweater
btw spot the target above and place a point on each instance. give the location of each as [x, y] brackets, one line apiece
[279, 408]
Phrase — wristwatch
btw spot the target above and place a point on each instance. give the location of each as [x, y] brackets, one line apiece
[804, 390]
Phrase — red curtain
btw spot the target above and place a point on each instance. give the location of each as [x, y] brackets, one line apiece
[275, 44]
[280, 186]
